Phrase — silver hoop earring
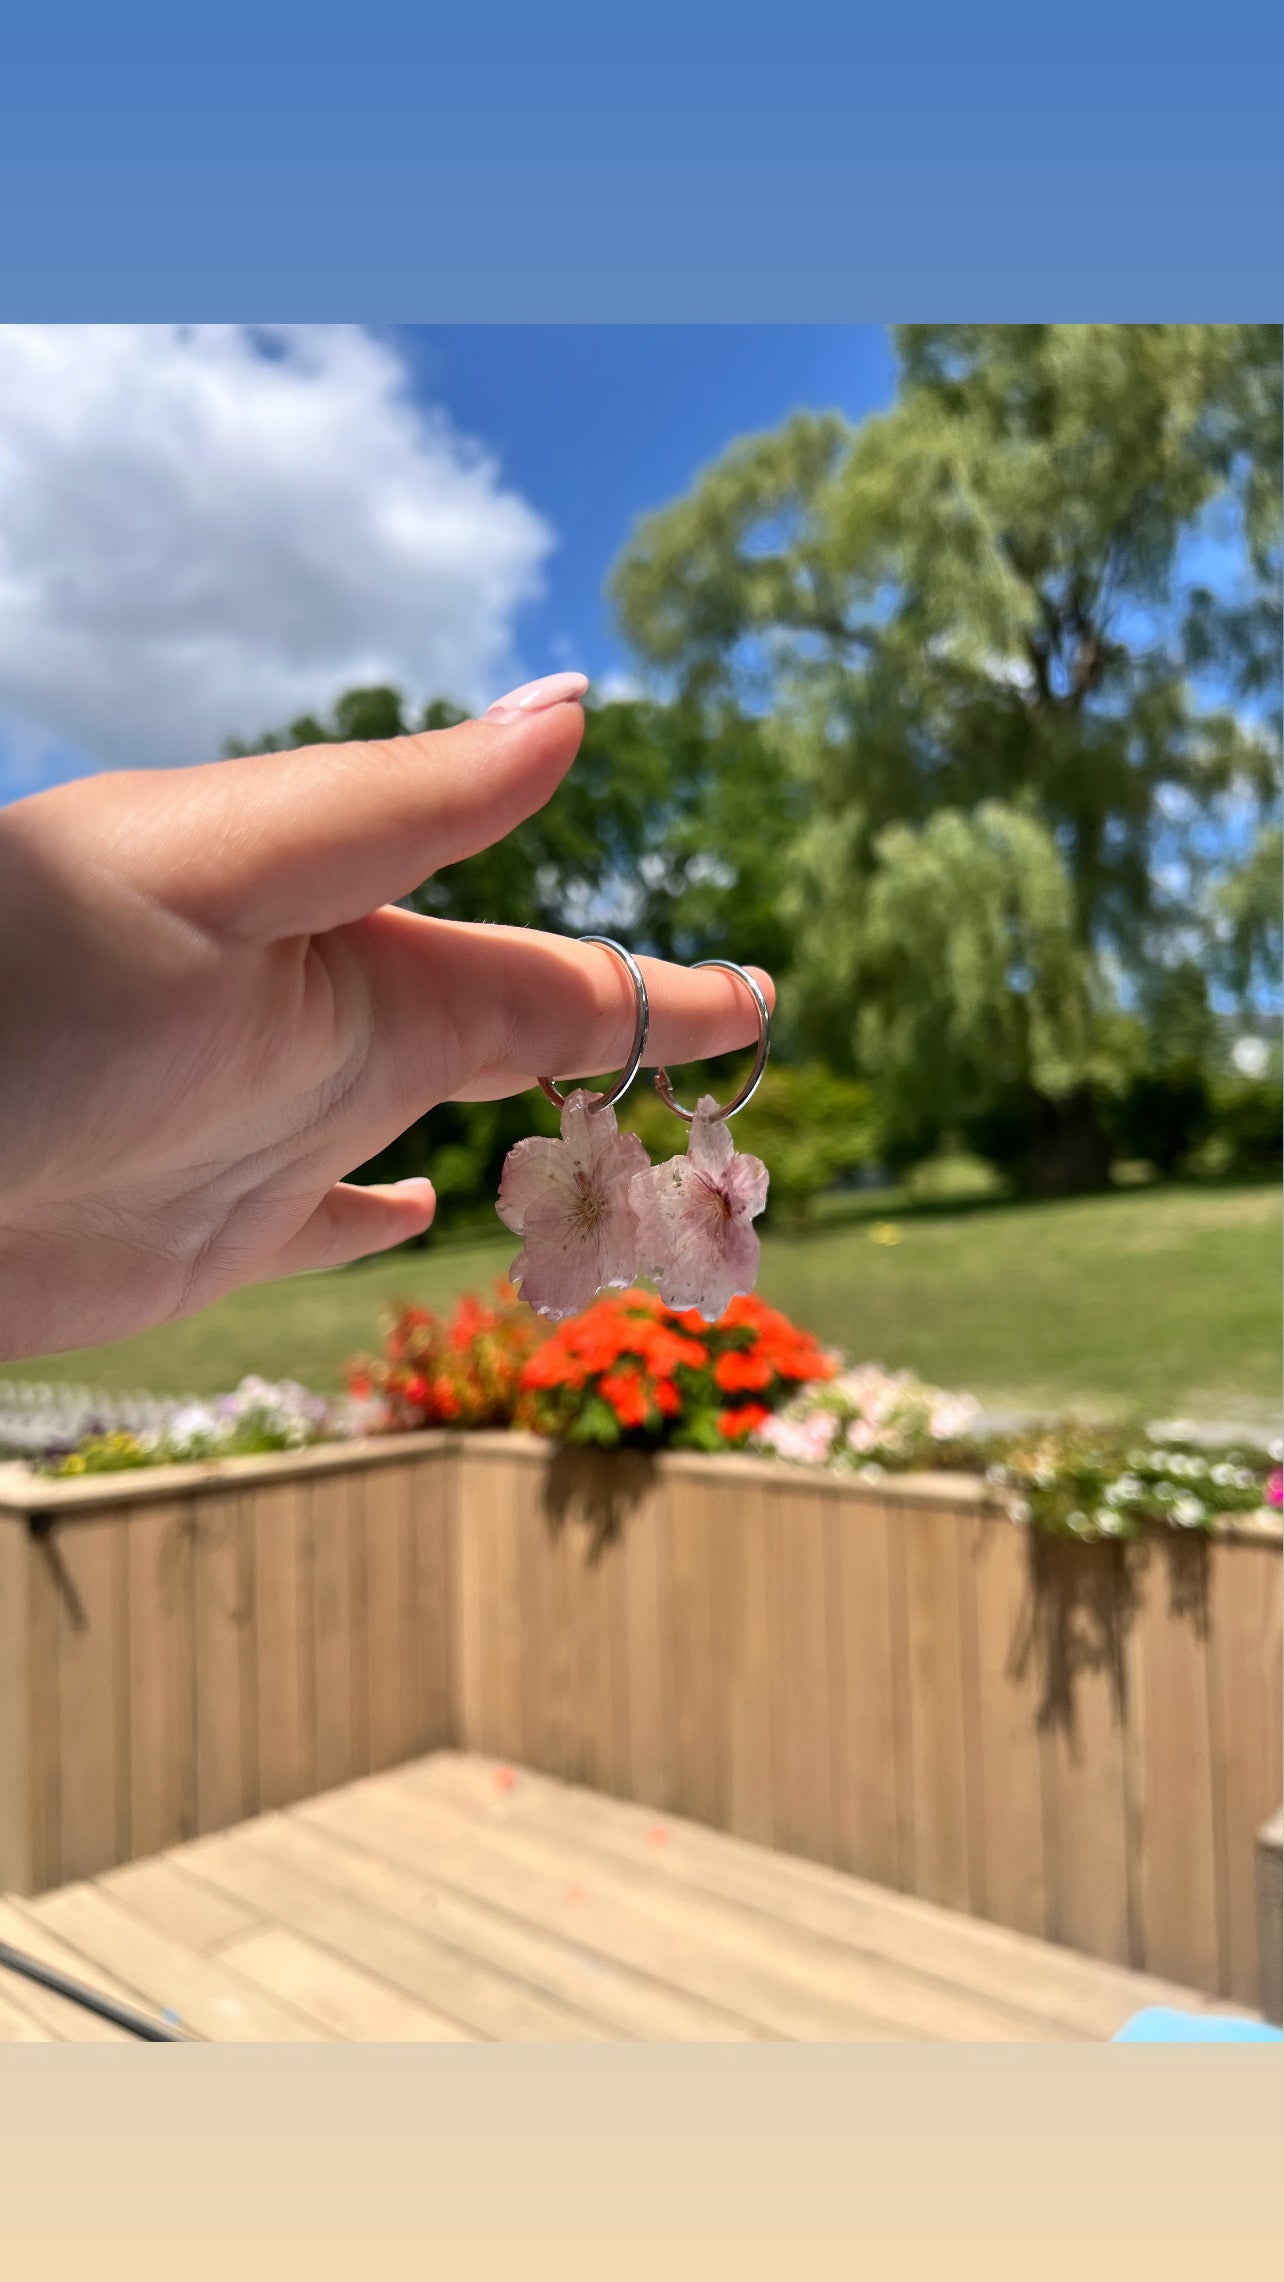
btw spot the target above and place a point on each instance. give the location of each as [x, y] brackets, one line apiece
[663, 1084]
[641, 1027]
[695, 1212]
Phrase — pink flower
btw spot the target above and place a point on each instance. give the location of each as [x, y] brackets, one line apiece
[693, 1218]
[807, 1441]
[1275, 1489]
[569, 1199]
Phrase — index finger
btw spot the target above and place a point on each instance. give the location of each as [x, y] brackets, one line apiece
[471, 1013]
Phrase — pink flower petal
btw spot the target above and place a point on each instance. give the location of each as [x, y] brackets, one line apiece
[570, 1200]
[694, 1214]
[709, 1143]
[538, 1179]
[745, 1183]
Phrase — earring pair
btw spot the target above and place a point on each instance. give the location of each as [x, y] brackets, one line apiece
[594, 1213]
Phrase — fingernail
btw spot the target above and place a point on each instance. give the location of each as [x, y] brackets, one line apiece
[536, 696]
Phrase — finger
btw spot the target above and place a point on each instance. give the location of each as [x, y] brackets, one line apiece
[350, 1223]
[472, 1013]
[296, 843]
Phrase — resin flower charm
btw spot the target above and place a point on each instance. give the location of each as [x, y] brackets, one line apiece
[569, 1200]
[694, 1218]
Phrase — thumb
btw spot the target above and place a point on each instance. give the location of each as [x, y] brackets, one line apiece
[351, 1222]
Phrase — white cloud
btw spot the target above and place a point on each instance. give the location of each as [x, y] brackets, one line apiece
[205, 529]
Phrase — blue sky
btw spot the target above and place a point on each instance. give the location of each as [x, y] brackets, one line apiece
[596, 424]
[206, 530]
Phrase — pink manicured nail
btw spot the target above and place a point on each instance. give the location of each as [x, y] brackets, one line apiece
[536, 696]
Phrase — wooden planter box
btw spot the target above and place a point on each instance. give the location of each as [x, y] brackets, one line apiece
[1077, 1741]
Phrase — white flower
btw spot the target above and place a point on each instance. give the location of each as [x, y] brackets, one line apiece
[1125, 1490]
[1188, 1511]
[194, 1423]
[952, 1416]
[861, 1436]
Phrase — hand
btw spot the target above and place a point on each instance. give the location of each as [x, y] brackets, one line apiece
[210, 1012]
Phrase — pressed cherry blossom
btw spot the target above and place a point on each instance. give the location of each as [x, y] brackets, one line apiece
[570, 1201]
[694, 1217]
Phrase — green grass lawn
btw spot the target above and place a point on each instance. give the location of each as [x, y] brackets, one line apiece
[1161, 1300]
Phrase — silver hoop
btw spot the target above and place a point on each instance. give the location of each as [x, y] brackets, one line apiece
[663, 1085]
[641, 1025]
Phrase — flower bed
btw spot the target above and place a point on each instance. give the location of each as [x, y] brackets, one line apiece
[629, 1373]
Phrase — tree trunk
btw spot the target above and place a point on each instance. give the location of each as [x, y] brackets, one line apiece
[1069, 1152]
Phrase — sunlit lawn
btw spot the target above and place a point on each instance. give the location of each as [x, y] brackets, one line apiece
[1159, 1300]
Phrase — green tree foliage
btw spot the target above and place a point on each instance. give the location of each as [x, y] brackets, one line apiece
[1027, 717]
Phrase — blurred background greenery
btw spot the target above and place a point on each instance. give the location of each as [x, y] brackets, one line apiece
[966, 722]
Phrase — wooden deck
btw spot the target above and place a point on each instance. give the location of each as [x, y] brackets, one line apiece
[455, 1899]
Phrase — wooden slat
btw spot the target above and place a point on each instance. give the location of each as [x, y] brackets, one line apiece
[17, 2026]
[207, 1996]
[1015, 1885]
[550, 1711]
[17, 1771]
[695, 1769]
[1178, 1896]
[353, 2005]
[351, 1859]
[646, 1649]
[591, 1553]
[388, 1587]
[57, 2018]
[23, 1929]
[1246, 1719]
[1069, 1995]
[476, 1996]
[865, 1834]
[1084, 1790]
[740, 1548]
[225, 1625]
[161, 1678]
[471, 1604]
[190, 1913]
[935, 1673]
[799, 1987]
[559, 1890]
[335, 1529]
[93, 1693]
[428, 1493]
[804, 1569]
[902, 1709]
[508, 1520]
[283, 1642]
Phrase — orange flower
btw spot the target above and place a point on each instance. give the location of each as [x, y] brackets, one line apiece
[666, 1398]
[733, 1425]
[625, 1394]
[737, 1373]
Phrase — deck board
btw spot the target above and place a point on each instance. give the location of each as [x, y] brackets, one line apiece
[456, 1899]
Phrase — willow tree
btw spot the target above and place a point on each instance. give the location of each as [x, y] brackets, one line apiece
[1020, 639]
